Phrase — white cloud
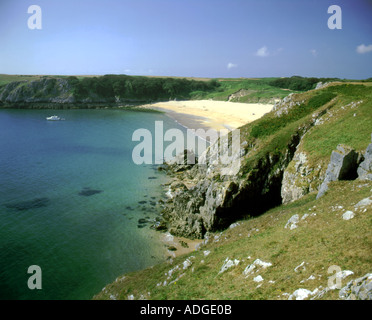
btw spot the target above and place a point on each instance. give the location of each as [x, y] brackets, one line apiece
[231, 65]
[262, 52]
[364, 49]
[314, 52]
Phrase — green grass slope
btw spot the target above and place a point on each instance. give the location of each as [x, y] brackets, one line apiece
[303, 257]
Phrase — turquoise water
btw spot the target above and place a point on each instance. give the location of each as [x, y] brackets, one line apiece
[71, 198]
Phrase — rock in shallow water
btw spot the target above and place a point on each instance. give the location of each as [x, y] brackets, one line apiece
[89, 192]
[31, 204]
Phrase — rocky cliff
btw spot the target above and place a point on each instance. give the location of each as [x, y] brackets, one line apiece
[46, 92]
[276, 163]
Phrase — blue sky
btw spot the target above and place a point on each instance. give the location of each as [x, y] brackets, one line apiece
[200, 38]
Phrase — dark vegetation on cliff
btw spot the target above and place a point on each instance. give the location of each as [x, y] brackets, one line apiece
[107, 91]
[25, 91]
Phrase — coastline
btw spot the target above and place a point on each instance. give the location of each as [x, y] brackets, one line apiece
[205, 115]
[209, 114]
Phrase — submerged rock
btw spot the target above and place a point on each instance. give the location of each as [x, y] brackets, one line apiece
[86, 192]
[26, 205]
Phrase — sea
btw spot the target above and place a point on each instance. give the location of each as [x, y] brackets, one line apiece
[73, 202]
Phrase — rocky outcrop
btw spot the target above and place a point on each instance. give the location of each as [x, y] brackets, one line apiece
[202, 200]
[45, 90]
[365, 168]
[304, 175]
[300, 178]
[346, 164]
[343, 166]
[358, 289]
[321, 85]
[285, 105]
[51, 93]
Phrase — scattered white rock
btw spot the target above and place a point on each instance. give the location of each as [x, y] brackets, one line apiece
[257, 263]
[187, 263]
[234, 225]
[309, 278]
[292, 222]
[206, 253]
[340, 276]
[348, 215]
[131, 297]
[302, 266]
[363, 203]
[302, 294]
[304, 216]
[168, 237]
[258, 279]
[170, 272]
[262, 264]
[217, 237]
[228, 264]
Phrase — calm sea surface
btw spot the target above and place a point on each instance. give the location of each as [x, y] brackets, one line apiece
[70, 200]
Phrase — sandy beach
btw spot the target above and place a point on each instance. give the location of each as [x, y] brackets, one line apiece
[205, 114]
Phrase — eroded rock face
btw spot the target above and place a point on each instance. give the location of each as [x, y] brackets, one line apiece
[300, 178]
[208, 200]
[46, 90]
[342, 166]
[365, 168]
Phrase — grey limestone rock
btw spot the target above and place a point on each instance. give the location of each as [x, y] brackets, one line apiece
[358, 289]
[343, 166]
[365, 168]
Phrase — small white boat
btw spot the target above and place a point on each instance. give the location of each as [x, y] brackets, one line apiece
[54, 118]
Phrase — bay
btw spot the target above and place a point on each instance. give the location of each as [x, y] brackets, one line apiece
[70, 200]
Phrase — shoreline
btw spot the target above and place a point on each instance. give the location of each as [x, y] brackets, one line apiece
[178, 246]
[209, 114]
[205, 115]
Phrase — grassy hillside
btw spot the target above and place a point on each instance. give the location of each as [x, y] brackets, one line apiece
[344, 122]
[7, 78]
[302, 257]
[321, 240]
[245, 91]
